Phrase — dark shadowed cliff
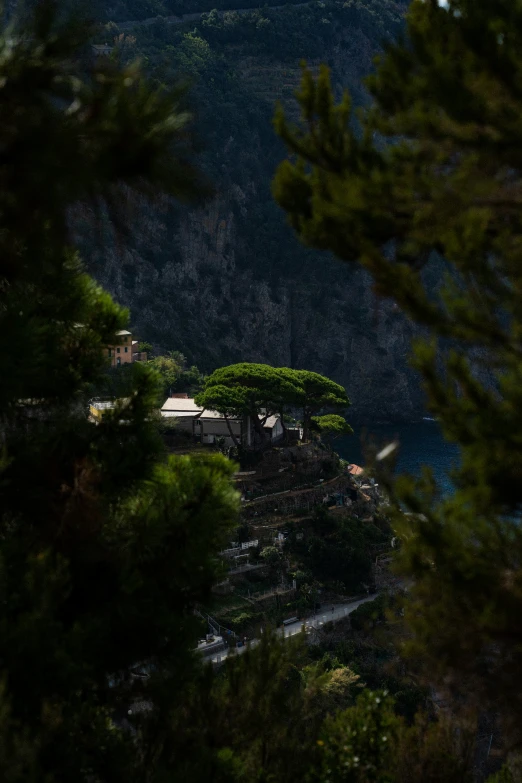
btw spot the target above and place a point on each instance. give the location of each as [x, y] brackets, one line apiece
[228, 281]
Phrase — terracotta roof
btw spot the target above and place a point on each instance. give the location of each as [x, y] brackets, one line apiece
[355, 470]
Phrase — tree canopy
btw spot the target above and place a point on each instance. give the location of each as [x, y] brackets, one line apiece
[255, 390]
[317, 393]
[434, 216]
[175, 374]
[260, 391]
[331, 424]
[105, 543]
[368, 743]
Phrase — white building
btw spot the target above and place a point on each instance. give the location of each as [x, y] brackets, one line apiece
[184, 410]
[207, 425]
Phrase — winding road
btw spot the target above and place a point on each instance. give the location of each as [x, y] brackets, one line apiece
[330, 614]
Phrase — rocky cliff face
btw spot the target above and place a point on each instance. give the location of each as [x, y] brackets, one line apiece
[219, 311]
[228, 282]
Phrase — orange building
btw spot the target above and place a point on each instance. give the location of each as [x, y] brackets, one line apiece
[124, 350]
[121, 352]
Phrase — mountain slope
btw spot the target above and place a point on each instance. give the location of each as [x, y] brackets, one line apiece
[228, 281]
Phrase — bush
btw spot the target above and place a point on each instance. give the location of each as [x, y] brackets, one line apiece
[368, 614]
[238, 621]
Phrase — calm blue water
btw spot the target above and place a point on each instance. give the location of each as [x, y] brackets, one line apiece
[420, 444]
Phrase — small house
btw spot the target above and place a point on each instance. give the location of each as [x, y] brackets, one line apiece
[184, 410]
[102, 50]
[121, 351]
[211, 425]
[124, 350]
[274, 428]
[207, 425]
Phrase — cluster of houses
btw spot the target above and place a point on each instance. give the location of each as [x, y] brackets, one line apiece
[102, 50]
[207, 426]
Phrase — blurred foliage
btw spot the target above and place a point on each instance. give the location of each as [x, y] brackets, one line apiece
[368, 743]
[372, 649]
[170, 371]
[263, 714]
[105, 543]
[102, 560]
[445, 186]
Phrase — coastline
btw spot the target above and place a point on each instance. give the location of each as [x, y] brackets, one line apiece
[420, 443]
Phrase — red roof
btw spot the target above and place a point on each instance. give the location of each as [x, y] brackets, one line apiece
[355, 470]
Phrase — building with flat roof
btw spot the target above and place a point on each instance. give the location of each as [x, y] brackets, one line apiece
[184, 410]
[207, 425]
[102, 50]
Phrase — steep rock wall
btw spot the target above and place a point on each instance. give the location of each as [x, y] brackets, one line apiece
[200, 300]
[228, 281]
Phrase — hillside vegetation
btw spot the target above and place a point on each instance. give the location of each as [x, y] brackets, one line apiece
[233, 265]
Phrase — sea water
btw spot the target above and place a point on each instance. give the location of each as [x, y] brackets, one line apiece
[419, 444]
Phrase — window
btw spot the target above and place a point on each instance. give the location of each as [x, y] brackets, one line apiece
[118, 361]
[118, 350]
[126, 349]
[110, 352]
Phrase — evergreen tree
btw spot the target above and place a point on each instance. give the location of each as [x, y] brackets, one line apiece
[368, 743]
[331, 425]
[434, 216]
[175, 375]
[247, 389]
[259, 719]
[316, 394]
[105, 544]
[260, 391]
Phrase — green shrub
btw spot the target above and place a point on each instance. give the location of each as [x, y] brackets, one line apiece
[368, 614]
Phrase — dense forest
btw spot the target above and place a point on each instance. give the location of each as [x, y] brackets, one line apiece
[137, 10]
